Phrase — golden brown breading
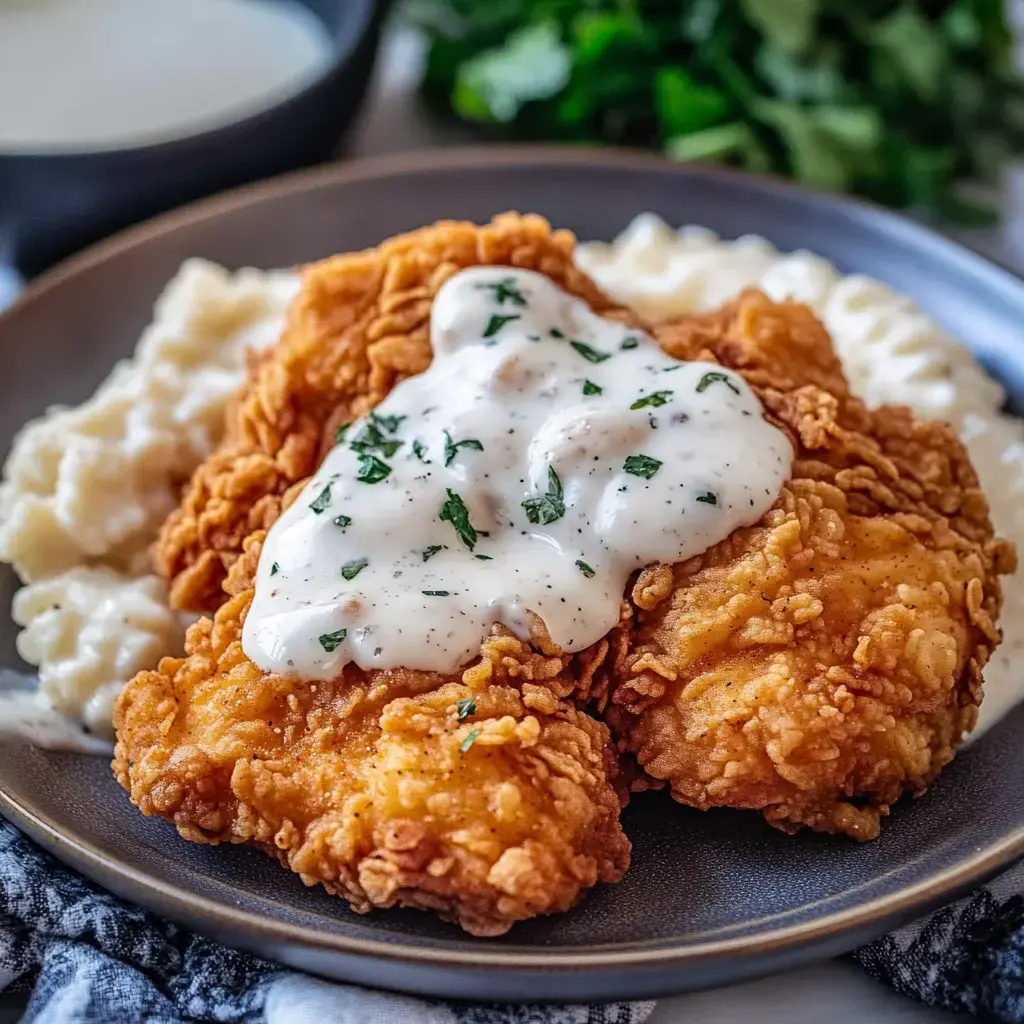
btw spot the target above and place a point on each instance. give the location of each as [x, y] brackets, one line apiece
[372, 785]
[823, 662]
[360, 325]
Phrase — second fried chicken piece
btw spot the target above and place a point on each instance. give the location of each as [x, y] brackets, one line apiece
[821, 663]
[485, 798]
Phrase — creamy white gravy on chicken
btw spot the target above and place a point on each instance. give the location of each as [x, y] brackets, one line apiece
[545, 455]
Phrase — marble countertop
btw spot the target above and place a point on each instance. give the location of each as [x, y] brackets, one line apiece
[834, 991]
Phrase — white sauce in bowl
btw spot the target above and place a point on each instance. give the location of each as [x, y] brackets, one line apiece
[545, 455]
[100, 74]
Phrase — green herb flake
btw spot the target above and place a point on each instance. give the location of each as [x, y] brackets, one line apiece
[591, 354]
[470, 739]
[350, 570]
[484, 558]
[590, 388]
[708, 498]
[339, 434]
[437, 593]
[641, 465]
[653, 400]
[550, 507]
[714, 377]
[420, 451]
[454, 511]
[372, 470]
[343, 521]
[321, 502]
[496, 323]
[451, 448]
[330, 642]
[429, 553]
[556, 333]
[504, 291]
[388, 423]
[372, 438]
[465, 708]
[275, 569]
[585, 569]
[631, 342]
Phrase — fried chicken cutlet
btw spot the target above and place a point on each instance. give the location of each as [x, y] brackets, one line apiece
[823, 662]
[483, 795]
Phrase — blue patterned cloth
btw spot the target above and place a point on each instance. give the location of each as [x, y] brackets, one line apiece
[92, 959]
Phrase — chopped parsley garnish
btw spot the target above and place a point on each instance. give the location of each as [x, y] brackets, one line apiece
[454, 511]
[420, 451]
[469, 740]
[484, 558]
[372, 470]
[708, 498]
[591, 354]
[556, 333]
[330, 642]
[350, 570]
[630, 342]
[550, 507]
[429, 553]
[275, 569]
[505, 291]
[437, 593]
[321, 501]
[641, 465]
[655, 399]
[371, 438]
[714, 377]
[451, 448]
[339, 434]
[343, 521]
[585, 569]
[496, 323]
[465, 708]
[590, 388]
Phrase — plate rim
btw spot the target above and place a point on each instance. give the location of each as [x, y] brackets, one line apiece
[820, 935]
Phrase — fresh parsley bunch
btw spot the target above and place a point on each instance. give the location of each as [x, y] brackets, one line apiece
[894, 99]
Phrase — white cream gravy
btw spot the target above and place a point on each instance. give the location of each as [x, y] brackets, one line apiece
[545, 455]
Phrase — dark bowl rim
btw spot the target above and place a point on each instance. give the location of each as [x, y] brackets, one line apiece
[360, 18]
[868, 918]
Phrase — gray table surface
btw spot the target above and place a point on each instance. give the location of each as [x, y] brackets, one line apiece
[832, 992]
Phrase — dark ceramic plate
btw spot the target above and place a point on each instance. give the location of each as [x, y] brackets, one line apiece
[710, 897]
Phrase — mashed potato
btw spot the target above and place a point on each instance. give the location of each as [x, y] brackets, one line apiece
[891, 352]
[85, 489]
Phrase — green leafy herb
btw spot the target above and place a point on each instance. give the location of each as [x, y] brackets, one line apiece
[275, 569]
[454, 511]
[591, 354]
[470, 739]
[556, 333]
[372, 470]
[708, 498]
[420, 451]
[465, 708]
[429, 552]
[496, 323]
[342, 521]
[585, 569]
[372, 437]
[641, 465]
[331, 641]
[590, 388]
[350, 570]
[549, 507]
[630, 342]
[484, 558]
[714, 377]
[653, 400]
[451, 448]
[339, 434]
[504, 291]
[321, 502]
[388, 423]
[437, 593]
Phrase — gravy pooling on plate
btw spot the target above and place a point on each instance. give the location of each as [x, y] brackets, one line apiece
[545, 455]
